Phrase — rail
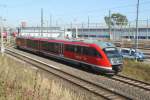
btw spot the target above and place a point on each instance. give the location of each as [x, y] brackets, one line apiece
[100, 90]
[133, 82]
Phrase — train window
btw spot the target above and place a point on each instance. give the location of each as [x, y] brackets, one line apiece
[56, 47]
[35, 44]
[98, 54]
[69, 48]
[66, 47]
[90, 52]
[29, 43]
[78, 49]
[51, 47]
[45, 45]
[85, 51]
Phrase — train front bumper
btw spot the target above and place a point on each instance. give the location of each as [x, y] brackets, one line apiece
[109, 70]
[104, 70]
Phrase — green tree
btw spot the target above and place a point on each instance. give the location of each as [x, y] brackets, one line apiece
[116, 19]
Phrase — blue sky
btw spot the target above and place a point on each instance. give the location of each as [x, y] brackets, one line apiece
[67, 11]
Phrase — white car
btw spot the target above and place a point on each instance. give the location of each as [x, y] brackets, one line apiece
[132, 54]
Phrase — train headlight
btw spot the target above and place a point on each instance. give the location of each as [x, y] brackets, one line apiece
[115, 61]
[112, 61]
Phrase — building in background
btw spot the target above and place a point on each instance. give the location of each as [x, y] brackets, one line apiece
[101, 31]
[92, 30]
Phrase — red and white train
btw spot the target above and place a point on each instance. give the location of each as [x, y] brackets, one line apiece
[101, 56]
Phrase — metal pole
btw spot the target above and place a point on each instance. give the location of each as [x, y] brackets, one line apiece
[41, 22]
[129, 31]
[88, 28]
[110, 33]
[137, 19]
[147, 29]
[2, 45]
[88, 21]
[76, 31]
[50, 21]
[65, 36]
[82, 30]
[71, 27]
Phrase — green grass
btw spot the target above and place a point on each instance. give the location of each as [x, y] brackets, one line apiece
[137, 70]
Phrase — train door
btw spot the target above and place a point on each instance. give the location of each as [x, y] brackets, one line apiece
[78, 53]
[89, 55]
[86, 54]
[61, 49]
[69, 51]
[38, 45]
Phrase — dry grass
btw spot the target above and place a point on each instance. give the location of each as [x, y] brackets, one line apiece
[137, 70]
[18, 81]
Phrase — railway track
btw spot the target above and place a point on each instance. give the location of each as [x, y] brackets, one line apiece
[136, 83]
[100, 90]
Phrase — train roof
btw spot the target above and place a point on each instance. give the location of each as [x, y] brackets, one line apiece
[102, 44]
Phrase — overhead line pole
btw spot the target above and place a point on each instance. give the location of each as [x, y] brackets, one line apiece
[88, 21]
[50, 21]
[1, 30]
[110, 33]
[41, 22]
[147, 28]
[137, 30]
[2, 44]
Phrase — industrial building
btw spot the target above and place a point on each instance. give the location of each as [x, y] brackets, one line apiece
[97, 33]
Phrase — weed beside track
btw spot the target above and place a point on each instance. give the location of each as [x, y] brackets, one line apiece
[137, 70]
[20, 81]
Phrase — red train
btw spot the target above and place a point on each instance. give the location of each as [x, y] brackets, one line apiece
[101, 56]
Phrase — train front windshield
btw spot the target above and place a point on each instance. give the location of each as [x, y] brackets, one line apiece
[113, 55]
[112, 52]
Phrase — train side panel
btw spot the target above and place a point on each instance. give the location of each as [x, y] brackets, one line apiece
[103, 59]
[47, 47]
[86, 54]
[21, 42]
[89, 54]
